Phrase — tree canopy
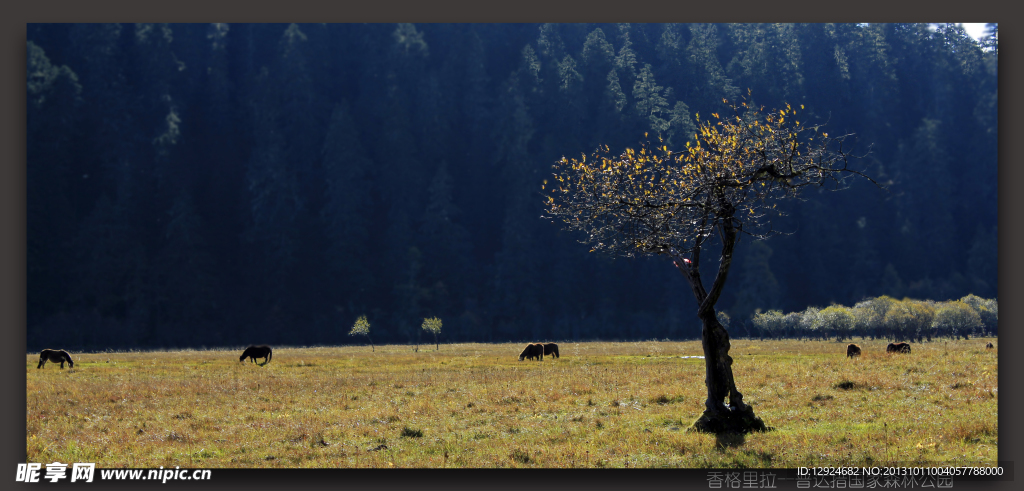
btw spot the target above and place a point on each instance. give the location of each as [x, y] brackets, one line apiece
[657, 200]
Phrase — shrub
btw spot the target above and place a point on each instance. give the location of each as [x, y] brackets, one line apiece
[810, 323]
[876, 309]
[770, 324]
[922, 312]
[906, 319]
[791, 324]
[723, 318]
[987, 309]
[956, 318]
[867, 320]
[837, 320]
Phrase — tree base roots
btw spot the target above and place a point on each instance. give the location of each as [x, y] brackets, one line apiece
[729, 421]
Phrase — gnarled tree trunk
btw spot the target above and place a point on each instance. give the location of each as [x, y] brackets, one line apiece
[736, 417]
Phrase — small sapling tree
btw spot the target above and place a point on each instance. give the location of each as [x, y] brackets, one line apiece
[433, 326]
[362, 328]
[655, 201]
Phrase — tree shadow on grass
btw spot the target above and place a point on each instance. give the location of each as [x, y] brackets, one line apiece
[729, 440]
[724, 441]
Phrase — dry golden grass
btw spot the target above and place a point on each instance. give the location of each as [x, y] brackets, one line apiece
[475, 405]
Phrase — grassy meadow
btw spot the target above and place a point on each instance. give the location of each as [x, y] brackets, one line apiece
[474, 405]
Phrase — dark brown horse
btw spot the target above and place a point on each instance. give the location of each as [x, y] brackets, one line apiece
[551, 349]
[534, 350]
[56, 356]
[253, 352]
[852, 350]
[897, 348]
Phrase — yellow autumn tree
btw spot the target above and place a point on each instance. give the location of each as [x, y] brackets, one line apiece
[658, 201]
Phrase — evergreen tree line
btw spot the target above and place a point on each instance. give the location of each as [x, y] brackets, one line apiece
[884, 318]
[215, 184]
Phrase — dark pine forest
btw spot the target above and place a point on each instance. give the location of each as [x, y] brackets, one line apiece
[214, 185]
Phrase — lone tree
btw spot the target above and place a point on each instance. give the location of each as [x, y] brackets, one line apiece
[657, 201]
[362, 328]
[433, 326]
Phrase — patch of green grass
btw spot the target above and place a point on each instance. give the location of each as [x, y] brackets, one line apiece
[664, 399]
[521, 456]
[846, 385]
[412, 433]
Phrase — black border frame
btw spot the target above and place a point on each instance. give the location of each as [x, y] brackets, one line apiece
[15, 17]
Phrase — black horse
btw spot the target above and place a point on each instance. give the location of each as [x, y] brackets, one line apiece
[533, 351]
[56, 356]
[551, 349]
[897, 348]
[253, 352]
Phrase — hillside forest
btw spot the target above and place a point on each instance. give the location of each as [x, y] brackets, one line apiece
[202, 185]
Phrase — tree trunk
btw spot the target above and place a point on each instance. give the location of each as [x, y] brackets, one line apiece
[737, 417]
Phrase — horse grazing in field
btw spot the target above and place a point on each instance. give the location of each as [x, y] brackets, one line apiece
[56, 356]
[253, 352]
[989, 346]
[551, 349]
[897, 348]
[852, 350]
[533, 350]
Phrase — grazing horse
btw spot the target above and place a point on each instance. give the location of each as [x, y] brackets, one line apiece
[897, 348]
[852, 350]
[551, 349]
[56, 356]
[533, 350]
[989, 346]
[253, 352]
